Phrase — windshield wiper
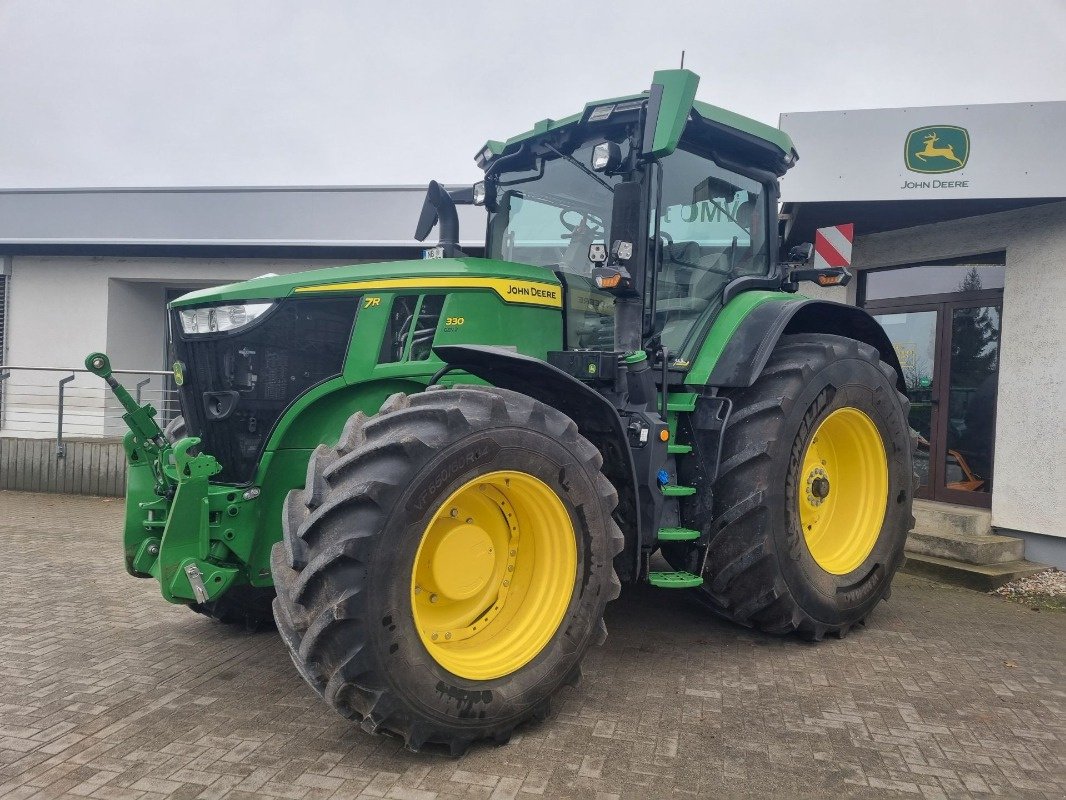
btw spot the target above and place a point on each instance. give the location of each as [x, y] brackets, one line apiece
[581, 167]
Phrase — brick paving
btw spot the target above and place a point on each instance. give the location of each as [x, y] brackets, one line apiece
[106, 691]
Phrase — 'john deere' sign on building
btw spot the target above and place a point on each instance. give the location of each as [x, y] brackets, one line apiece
[856, 155]
[937, 148]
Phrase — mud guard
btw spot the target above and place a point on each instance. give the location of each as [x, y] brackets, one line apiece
[749, 349]
[595, 416]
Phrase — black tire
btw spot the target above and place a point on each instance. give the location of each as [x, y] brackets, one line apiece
[249, 607]
[245, 606]
[343, 568]
[759, 570]
[175, 429]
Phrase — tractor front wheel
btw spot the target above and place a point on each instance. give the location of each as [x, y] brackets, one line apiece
[447, 565]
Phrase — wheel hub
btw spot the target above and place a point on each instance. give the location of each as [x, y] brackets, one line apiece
[817, 486]
[493, 575]
[463, 562]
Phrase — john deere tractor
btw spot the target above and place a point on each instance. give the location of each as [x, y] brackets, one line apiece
[445, 468]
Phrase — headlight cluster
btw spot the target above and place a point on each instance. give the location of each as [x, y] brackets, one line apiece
[213, 319]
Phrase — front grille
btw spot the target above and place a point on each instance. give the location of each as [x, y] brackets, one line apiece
[259, 371]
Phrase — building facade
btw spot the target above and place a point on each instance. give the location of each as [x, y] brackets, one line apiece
[960, 253]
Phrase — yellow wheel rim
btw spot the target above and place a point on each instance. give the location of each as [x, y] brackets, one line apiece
[493, 575]
[843, 490]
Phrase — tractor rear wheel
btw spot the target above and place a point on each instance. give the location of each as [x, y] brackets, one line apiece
[246, 606]
[446, 567]
[812, 503]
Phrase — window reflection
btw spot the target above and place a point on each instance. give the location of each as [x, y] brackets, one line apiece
[972, 395]
[931, 279]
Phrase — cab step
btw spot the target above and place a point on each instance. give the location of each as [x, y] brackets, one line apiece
[681, 401]
[672, 490]
[674, 580]
[678, 534]
[679, 449]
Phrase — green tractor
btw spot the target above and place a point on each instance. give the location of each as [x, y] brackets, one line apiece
[446, 468]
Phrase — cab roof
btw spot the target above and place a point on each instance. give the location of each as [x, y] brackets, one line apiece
[678, 108]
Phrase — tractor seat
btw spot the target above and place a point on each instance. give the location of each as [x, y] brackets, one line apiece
[698, 285]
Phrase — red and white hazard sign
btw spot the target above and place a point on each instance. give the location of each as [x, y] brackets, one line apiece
[832, 246]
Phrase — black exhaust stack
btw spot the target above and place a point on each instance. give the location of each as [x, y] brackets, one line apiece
[439, 206]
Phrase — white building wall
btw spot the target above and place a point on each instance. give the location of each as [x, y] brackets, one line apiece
[64, 307]
[1030, 454]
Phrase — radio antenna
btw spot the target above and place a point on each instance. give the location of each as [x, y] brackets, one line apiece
[682, 59]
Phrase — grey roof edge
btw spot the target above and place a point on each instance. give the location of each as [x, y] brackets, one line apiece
[221, 189]
[283, 217]
[1029, 103]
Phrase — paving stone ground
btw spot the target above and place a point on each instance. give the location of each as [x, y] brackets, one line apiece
[106, 691]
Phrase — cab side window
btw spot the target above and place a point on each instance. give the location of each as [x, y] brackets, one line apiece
[712, 229]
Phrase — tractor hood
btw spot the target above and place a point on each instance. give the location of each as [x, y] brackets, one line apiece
[673, 94]
[421, 273]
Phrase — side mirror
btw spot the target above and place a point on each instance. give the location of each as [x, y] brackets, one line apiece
[712, 188]
[801, 253]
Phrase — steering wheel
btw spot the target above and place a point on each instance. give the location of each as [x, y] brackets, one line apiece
[596, 226]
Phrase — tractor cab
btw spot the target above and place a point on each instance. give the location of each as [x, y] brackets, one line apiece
[646, 206]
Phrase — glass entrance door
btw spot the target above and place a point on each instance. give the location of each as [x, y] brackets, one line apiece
[949, 352]
[914, 335]
[969, 398]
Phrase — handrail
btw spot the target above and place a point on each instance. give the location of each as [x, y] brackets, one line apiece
[61, 449]
[70, 403]
[82, 369]
[140, 386]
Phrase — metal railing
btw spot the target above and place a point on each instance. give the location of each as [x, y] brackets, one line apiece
[37, 402]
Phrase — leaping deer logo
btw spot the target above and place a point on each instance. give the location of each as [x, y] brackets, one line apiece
[937, 148]
[931, 150]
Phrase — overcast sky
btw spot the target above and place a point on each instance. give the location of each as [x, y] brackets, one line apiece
[263, 92]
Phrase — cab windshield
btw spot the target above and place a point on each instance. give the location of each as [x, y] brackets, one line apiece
[548, 214]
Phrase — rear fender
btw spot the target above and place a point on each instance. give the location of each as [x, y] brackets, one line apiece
[595, 416]
[744, 356]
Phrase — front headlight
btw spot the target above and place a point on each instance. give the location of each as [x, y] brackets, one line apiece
[214, 319]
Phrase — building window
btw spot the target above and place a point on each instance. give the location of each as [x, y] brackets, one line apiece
[934, 278]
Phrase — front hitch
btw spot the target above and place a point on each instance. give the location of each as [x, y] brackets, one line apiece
[140, 419]
[168, 508]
